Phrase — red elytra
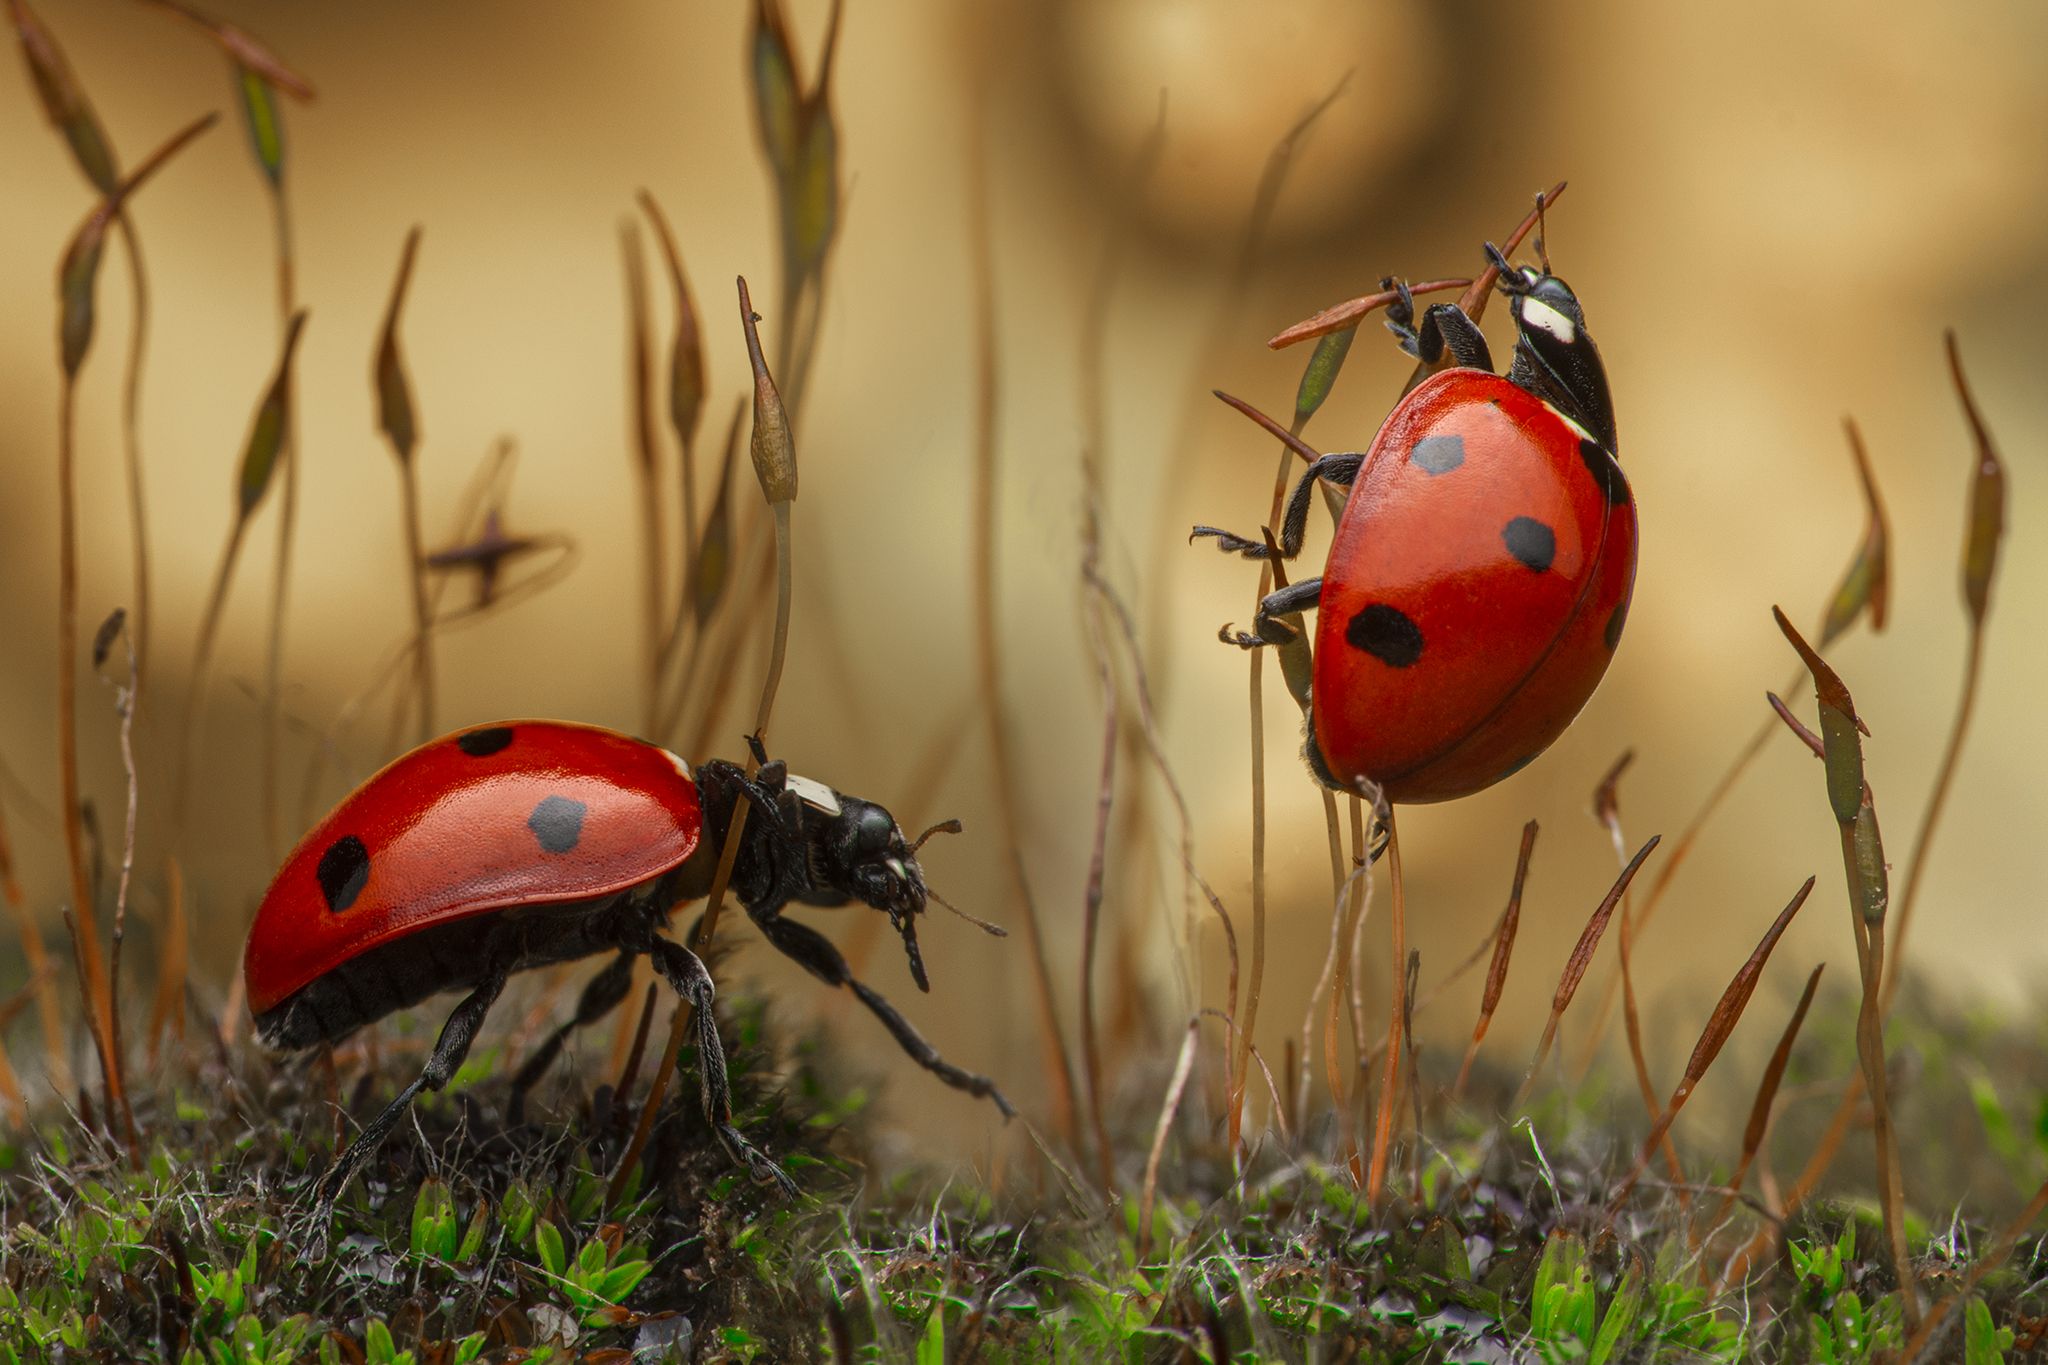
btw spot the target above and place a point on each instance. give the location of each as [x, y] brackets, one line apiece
[1483, 563]
[1510, 573]
[453, 828]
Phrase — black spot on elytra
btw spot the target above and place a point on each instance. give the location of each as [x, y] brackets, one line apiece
[1530, 541]
[484, 743]
[1438, 454]
[1387, 634]
[557, 822]
[1605, 471]
[343, 869]
[1616, 619]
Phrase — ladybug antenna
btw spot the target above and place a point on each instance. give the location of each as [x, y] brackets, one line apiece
[992, 930]
[1542, 252]
[943, 827]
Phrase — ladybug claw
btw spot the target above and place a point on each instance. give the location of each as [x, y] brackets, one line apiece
[1230, 544]
[763, 1170]
[1230, 635]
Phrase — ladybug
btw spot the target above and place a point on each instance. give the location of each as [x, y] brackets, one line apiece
[532, 842]
[1481, 570]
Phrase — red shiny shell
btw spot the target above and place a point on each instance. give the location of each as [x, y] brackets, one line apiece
[522, 812]
[1475, 591]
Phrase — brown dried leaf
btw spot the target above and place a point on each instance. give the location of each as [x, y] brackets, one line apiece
[1987, 500]
[686, 353]
[266, 433]
[1774, 1073]
[64, 100]
[1867, 581]
[394, 390]
[1735, 999]
[1589, 938]
[774, 449]
[244, 50]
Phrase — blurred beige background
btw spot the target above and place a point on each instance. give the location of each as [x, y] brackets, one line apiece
[1772, 216]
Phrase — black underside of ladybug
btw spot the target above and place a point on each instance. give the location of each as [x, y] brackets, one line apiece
[451, 956]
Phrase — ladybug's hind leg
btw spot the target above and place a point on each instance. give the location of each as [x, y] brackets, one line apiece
[1267, 626]
[688, 977]
[815, 953]
[449, 1050]
[600, 996]
[1341, 470]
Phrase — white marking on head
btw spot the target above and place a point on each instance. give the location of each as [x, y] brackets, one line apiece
[813, 793]
[676, 761]
[1540, 315]
[896, 865]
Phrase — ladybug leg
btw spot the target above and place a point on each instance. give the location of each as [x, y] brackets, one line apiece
[1269, 628]
[688, 977]
[453, 1045]
[1445, 330]
[600, 996]
[1341, 470]
[816, 954]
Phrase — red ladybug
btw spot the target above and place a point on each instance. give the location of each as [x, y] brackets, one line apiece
[532, 842]
[1481, 570]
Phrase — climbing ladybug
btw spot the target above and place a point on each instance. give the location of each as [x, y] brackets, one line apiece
[1481, 569]
[533, 842]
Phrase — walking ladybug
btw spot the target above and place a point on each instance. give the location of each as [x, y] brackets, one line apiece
[1481, 570]
[532, 842]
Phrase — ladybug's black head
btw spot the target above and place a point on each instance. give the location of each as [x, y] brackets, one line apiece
[1555, 358]
[858, 852]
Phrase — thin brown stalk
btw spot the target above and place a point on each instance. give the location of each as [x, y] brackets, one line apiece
[988, 656]
[131, 438]
[124, 707]
[671, 1053]
[1344, 986]
[401, 429]
[92, 980]
[685, 409]
[1376, 1169]
[1503, 951]
[1728, 1011]
[646, 457]
[629, 1071]
[1575, 967]
[287, 528]
[1175, 1087]
[1982, 536]
[1091, 900]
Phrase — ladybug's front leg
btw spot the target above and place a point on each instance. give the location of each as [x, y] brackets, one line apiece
[815, 953]
[688, 977]
[1446, 331]
[1341, 470]
[1267, 625]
